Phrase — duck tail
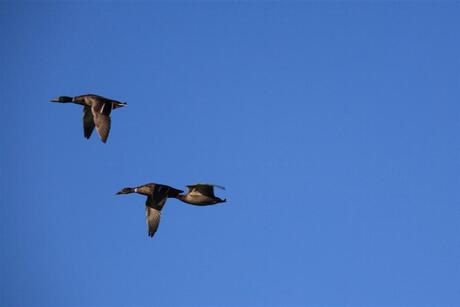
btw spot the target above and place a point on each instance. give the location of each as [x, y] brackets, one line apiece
[174, 192]
[119, 104]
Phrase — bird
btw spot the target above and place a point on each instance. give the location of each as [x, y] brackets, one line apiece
[201, 194]
[96, 112]
[157, 194]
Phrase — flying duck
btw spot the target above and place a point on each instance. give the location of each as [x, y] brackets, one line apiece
[201, 194]
[157, 195]
[96, 112]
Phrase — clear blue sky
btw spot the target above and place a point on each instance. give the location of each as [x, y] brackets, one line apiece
[334, 126]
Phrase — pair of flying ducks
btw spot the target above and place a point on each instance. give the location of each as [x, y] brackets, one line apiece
[198, 194]
[96, 114]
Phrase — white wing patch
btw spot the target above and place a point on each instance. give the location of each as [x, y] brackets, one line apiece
[194, 192]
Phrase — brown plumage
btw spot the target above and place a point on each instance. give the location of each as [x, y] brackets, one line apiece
[153, 220]
[157, 194]
[201, 194]
[96, 112]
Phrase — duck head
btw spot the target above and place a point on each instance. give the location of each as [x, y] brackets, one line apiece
[62, 99]
[126, 191]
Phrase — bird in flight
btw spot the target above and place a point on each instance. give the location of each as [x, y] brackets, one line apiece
[201, 194]
[96, 112]
[157, 194]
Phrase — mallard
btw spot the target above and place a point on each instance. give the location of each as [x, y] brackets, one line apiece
[96, 112]
[157, 195]
[201, 194]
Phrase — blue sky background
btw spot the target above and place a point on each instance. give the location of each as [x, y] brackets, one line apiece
[334, 126]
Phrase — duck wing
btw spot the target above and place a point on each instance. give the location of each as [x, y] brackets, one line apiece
[88, 122]
[157, 197]
[101, 114]
[153, 206]
[204, 189]
[153, 220]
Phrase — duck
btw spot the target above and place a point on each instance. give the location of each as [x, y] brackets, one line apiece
[157, 194]
[96, 112]
[201, 194]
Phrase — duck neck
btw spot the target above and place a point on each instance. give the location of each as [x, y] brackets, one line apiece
[129, 190]
[79, 100]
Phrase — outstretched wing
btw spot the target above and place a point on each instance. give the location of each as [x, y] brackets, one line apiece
[158, 198]
[153, 206]
[88, 122]
[101, 114]
[153, 220]
[204, 189]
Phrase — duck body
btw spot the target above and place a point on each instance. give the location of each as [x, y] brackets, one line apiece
[152, 189]
[201, 194]
[157, 194]
[96, 112]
